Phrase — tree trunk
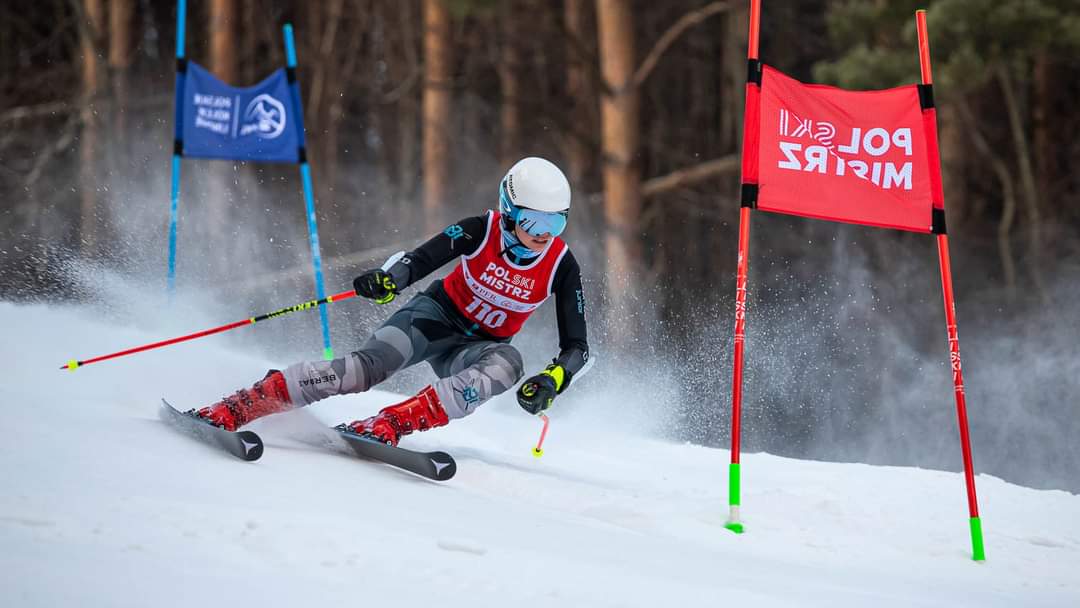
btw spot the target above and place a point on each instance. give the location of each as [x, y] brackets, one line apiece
[7, 51]
[325, 93]
[619, 123]
[438, 72]
[223, 40]
[509, 69]
[1008, 194]
[216, 214]
[93, 79]
[1042, 123]
[113, 115]
[249, 41]
[733, 79]
[580, 91]
[1027, 178]
[954, 152]
[121, 19]
[407, 114]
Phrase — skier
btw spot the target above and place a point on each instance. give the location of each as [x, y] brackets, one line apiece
[510, 262]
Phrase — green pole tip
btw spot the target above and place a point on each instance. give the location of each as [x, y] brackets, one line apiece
[735, 527]
[978, 552]
[328, 353]
[72, 364]
[734, 484]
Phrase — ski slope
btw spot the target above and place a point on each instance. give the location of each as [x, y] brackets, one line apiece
[103, 505]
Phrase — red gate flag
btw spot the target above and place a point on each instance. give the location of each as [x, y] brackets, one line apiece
[864, 157]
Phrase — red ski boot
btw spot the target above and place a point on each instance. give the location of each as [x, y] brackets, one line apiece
[419, 413]
[267, 396]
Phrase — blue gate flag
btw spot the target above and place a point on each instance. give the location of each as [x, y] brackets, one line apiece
[239, 123]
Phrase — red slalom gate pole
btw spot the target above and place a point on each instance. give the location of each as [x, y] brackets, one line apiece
[930, 116]
[749, 199]
[734, 474]
[75, 364]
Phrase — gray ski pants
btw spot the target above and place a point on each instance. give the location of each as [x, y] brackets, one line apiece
[471, 369]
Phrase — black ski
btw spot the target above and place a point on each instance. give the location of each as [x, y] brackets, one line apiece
[242, 444]
[438, 466]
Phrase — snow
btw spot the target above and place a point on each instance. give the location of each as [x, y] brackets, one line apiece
[103, 505]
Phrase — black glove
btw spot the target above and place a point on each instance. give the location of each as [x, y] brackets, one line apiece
[376, 285]
[536, 394]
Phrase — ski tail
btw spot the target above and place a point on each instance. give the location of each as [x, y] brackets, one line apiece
[437, 466]
[245, 445]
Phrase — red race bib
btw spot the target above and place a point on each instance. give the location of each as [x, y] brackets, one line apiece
[496, 294]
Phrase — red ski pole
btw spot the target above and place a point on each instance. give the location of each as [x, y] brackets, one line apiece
[345, 295]
[538, 451]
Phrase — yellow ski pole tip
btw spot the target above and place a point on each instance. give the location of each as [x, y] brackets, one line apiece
[538, 452]
[72, 364]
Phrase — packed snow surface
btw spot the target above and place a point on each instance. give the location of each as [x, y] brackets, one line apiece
[104, 505]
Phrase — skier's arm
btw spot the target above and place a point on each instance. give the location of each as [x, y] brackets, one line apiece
[462, 238]
[570, 313]
[536, 393]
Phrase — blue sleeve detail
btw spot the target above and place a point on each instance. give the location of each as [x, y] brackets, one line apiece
[455, 232]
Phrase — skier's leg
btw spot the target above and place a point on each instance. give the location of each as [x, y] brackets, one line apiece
[474, 373]
[388, 350]
[397, 344]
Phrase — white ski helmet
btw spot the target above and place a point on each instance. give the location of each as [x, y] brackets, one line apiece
[534, 183]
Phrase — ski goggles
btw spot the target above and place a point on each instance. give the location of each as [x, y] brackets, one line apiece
[539, 223]
[536, 223]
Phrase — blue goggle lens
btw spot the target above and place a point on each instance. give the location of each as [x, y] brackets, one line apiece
[539, 223]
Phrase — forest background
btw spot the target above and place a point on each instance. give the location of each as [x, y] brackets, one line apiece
[415, 108]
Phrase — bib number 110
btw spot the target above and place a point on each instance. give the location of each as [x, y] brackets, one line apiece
[487, 315]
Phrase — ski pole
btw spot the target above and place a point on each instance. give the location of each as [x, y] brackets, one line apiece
[538, 451]
[345, 295]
